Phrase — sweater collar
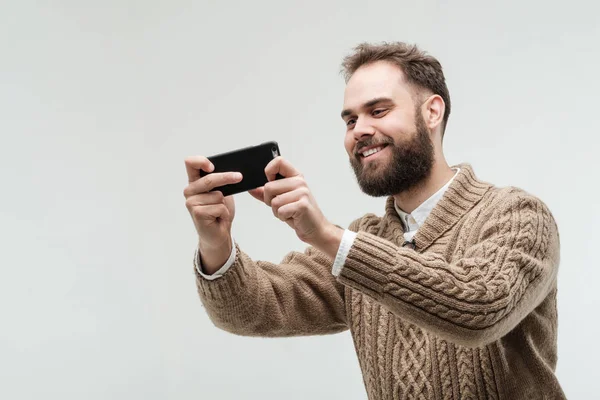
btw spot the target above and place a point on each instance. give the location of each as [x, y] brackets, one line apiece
[417, 218]
[463, 193]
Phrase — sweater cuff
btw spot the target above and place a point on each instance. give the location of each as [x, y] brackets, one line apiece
[369, 262]
[219, 273]
[227, 287]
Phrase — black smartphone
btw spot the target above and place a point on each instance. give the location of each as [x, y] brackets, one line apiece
[250, 161]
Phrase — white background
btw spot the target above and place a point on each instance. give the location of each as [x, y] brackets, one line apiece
[100, 102]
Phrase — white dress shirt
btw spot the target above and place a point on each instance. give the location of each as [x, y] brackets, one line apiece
[411, 223]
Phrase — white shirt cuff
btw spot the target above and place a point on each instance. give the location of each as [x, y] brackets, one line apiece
[344, 249]
[219, 273]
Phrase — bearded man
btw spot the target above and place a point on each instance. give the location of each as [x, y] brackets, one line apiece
[451, 294]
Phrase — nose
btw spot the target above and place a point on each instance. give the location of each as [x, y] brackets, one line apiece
[362, 129]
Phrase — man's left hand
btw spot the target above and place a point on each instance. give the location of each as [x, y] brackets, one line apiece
[293, 203]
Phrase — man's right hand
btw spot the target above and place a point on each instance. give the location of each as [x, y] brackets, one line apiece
[211, 212]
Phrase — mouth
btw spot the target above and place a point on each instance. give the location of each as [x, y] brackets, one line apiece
[372, 153]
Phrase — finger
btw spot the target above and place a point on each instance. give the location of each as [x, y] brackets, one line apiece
[191, 191]
[276, 188]
[194, 164]
[282, 166]
[290, 210]
[211, 212]
[287, 198]
[258, 193]
[205, 199]
[211, 181]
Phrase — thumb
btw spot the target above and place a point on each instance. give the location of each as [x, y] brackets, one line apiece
[258, 193]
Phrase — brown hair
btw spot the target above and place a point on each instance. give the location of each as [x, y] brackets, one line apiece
[421, 69]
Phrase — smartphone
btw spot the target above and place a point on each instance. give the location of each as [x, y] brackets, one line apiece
[250, 161]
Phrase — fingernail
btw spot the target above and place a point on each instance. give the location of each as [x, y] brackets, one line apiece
[237, 175]
[211, 167]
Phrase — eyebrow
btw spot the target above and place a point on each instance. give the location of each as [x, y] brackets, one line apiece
[368, 104]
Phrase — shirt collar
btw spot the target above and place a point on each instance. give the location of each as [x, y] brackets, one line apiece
[417, 218]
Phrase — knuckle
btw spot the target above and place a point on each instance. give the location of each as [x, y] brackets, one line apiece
[223, 210]
[198, 212]
[194, 160]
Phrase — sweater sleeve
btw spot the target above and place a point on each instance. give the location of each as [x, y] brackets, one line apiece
[476, 299]
[297, 297]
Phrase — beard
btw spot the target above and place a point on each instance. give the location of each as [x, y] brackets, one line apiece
[411, 163]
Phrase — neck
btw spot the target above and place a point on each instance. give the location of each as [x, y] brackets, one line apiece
[440, 174]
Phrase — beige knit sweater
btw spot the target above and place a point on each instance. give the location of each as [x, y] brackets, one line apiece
[469, 314]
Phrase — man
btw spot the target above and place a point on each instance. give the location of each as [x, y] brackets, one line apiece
[451, 294]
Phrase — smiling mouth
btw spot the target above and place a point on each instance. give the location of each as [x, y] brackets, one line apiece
[369, 153]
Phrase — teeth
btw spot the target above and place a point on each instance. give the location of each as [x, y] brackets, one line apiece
[371, 151]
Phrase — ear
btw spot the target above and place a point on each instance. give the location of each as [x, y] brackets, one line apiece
[433, 111]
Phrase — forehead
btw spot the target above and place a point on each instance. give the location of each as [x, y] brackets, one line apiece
[379, 79]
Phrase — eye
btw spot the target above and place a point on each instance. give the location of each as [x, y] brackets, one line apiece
[379, 111]
[350, 121]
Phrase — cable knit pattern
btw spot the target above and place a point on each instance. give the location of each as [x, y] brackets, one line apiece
[444, 369]
[466, 373]
[487, 374]
[458, 317]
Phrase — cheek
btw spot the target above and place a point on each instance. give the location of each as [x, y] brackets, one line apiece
[393, 122]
